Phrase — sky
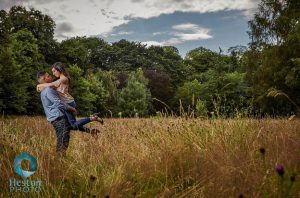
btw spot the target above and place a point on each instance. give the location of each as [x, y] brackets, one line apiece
[185, 24]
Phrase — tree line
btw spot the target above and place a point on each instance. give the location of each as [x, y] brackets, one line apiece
[128, 78]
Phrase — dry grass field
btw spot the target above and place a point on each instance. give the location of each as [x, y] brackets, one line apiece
[158, 157]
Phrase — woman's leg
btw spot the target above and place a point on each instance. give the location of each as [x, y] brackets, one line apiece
[77, 124]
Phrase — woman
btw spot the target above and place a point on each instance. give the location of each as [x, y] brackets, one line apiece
[62, 87]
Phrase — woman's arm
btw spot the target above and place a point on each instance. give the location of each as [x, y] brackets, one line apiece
[41, 87]
[64, 79]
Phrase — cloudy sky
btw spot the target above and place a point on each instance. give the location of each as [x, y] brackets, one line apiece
[185, 24]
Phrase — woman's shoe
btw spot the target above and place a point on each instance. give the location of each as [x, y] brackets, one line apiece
[98, 118]
[94, 133]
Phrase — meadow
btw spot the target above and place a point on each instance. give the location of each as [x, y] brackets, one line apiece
[158, 157]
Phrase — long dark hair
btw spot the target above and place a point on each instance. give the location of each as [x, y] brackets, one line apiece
[60, 67]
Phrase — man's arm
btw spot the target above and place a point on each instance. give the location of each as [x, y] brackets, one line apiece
[54, 98]
[55, 84]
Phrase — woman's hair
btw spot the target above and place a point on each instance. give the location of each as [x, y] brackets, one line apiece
[59, 67]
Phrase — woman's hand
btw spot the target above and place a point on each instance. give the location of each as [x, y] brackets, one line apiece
[41, 87]
[38, 88]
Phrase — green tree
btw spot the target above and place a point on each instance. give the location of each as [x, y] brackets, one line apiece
[13, 92]
[127, 56]
[167, 59]
[41, 26]
[73, 51]
[201, 109]
[109, 81]
[200, 59]
[99, 90]
[134, 98]
[188, 94]
[223, 88]
[161, 88]
[5, 26]
[5, 55]
[274, 47]
[29, 60]
[82, 90]
[88, 53]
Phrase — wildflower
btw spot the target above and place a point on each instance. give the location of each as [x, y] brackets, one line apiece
[93, 178]
[280, 170]
[262, 151]
[293, 178]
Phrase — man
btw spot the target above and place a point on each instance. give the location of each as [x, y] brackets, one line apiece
[54, 109]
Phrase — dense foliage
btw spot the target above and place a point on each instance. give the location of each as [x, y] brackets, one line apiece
[128, 78]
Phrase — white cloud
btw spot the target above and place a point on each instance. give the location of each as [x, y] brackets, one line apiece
[158, 33]
[121, 33]
[194, 36]
[190, 32]
[110, 33]
[149, 43]
[100, 17]
[183, 33]
[185, 26]
[172, 41]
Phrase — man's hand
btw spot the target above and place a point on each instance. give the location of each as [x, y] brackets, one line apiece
[73, 111]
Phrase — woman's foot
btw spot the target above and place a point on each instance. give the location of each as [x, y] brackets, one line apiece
[96, 117]
[94, 133]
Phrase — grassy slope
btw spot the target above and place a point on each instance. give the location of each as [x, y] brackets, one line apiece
[158, 157]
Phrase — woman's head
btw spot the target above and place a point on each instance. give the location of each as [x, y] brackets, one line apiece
[58, 69]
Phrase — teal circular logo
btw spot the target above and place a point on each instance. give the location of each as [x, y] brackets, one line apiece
[18, 168]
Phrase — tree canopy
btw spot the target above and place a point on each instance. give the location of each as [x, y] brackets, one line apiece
[128, 78]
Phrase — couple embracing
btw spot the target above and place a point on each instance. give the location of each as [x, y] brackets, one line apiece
[60, 106]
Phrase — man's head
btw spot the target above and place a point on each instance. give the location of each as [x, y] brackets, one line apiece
[43, 77]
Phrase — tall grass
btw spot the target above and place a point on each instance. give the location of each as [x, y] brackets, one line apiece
[159, 157]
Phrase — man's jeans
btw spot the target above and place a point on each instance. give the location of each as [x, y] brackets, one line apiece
[77, 124]
[62, 129]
